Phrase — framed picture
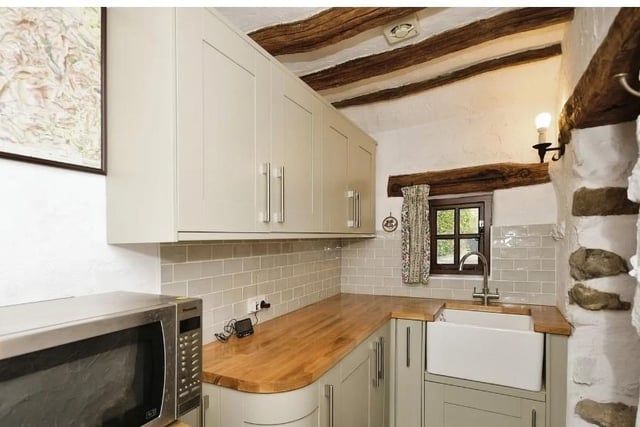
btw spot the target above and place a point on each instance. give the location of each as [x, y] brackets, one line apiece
[52, 91]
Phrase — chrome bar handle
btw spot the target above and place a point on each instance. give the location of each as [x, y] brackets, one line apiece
[351, 222]
[408, 361]
[280, 176]
[282, 194]
[381, 373]
[204, 405]
[376, 376]
[266, 171]
[358, 217]
[328, 393]
[534, 422]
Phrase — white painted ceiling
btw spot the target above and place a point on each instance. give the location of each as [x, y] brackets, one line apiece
[431, 21]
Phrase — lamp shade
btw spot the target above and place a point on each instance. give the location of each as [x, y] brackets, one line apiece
[543, 120]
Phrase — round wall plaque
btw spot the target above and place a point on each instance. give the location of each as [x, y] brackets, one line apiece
[390, 223]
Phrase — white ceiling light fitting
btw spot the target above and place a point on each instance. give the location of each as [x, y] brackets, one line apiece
[401, 30]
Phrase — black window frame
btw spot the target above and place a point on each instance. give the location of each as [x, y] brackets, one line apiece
[484, 204]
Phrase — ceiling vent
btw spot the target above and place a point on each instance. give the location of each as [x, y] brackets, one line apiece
[402, 29]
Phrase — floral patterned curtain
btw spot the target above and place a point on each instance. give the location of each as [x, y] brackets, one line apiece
[416, 250]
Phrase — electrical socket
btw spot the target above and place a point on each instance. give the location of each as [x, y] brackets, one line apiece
[253, 304]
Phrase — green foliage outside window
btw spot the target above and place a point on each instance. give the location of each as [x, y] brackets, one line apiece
[445, 225]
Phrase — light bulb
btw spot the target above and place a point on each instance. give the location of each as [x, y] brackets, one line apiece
[543, 120]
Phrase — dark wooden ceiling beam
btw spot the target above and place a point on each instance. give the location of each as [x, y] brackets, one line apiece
[598, 99]
[509, 23]
[493, 64]
[473, 179]
[326, 28]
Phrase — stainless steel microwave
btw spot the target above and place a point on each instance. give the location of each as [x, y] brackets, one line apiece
[117, 359]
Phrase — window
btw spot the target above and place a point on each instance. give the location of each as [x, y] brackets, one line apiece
[458, 226]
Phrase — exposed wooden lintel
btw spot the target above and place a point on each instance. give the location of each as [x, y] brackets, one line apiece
[454, 76]
[505, 24]
[598, 99]
[325, 28]
[473, 179]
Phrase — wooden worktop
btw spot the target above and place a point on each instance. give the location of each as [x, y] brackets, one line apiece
[296, 349]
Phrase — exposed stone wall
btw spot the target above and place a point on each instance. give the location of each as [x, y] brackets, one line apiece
[594, 289]
[603, 353]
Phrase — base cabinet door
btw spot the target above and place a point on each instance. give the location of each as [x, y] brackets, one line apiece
[231, 408]
[451, 406]
[355, 393]
[409, 366]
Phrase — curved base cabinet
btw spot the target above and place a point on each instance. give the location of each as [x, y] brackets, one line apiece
[232, 408]
[354, 393]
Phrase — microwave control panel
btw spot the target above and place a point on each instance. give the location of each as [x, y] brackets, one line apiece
[189, 360]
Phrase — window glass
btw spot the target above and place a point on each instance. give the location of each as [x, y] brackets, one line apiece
[445, 251]
[466, 246]
[469, 221]
[445, 221]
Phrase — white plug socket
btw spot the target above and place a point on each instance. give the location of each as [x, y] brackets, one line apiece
[253, 304]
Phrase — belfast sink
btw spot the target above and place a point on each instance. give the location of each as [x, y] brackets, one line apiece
[493, 348]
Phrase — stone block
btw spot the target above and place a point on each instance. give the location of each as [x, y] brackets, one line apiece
[588, 263]
[602, 202]
[607, 414]
[592, 299]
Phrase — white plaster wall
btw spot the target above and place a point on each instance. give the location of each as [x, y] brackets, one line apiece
[484, 119]
[53, 238]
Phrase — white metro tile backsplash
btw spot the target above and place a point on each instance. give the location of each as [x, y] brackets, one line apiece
[523, 267]
[290, 273]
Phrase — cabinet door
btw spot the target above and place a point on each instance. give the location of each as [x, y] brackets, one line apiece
[451, 406]
[353, 410]
[362, 169]
[337, 209]
[297, 155]
[409, 370]
[223, 93]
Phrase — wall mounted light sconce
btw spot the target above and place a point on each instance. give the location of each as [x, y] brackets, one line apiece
[543, 120]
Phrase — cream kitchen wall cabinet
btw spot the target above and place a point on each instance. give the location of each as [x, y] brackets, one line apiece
[223, 122]
[210, 137]
[349, 159]
[362, 161]
[297, 157]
